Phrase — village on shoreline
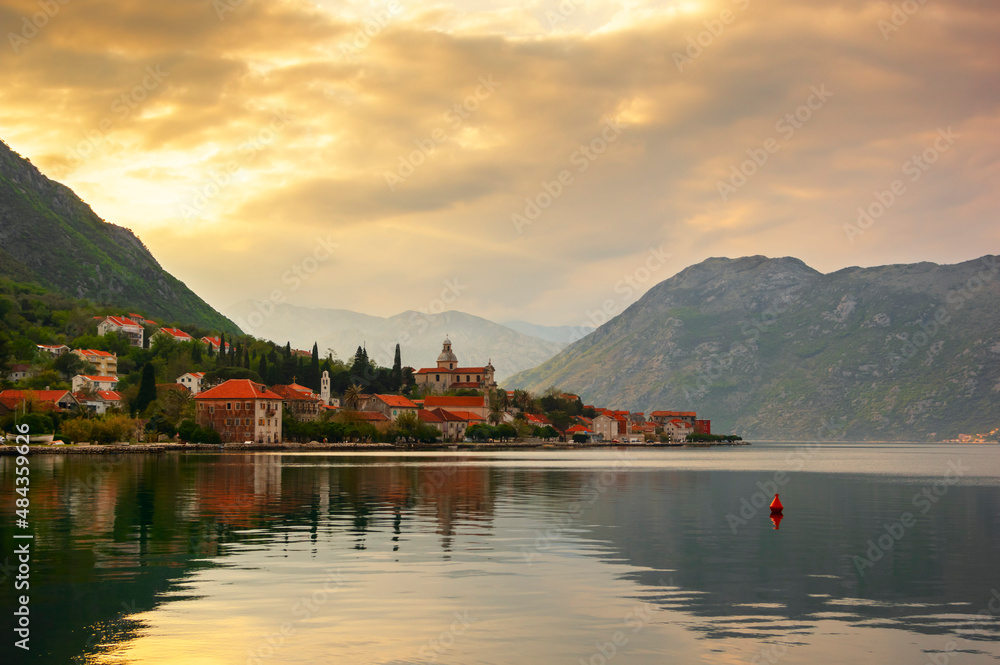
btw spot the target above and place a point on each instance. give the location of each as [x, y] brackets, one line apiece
[356, 406]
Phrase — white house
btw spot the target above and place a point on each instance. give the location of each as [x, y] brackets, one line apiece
[105, 363]
[84, 382]
[175, 334]
[192, 381]
[124, 325]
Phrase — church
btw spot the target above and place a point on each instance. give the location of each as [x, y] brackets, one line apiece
[449, 376]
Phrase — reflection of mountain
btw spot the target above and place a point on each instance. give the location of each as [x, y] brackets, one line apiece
[773, 583]
[117, 536]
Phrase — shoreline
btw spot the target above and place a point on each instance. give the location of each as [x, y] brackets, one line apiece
[73, 449]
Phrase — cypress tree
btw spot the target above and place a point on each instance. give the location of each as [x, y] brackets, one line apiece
[147, 389]
[397, 371]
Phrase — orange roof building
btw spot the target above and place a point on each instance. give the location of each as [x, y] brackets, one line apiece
[448, 375]
[241, 410]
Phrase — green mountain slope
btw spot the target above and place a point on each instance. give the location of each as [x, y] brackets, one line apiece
[770, 348]
[50, 237]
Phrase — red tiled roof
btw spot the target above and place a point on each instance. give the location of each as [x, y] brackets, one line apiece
[426, 416]
[397, 401]
[109, 395]
[467, 416]
[446, 415]
[176, 333]
[95, 352]
[672, 414]
[39, 395]
[238, 389]
[102, 379]
[294, 391]
[122, 322]
[578, 429]
[448, 401]
[371, 416]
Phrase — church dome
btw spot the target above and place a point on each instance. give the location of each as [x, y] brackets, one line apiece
[447, 356]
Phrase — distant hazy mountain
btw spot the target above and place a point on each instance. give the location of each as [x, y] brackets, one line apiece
[561, 334]
[49, 236]
[771, 348]
[476, 341]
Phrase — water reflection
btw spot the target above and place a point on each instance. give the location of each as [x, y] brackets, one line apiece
[475, 558]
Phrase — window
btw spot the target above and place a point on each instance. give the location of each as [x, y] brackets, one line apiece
[437, 377]
[477, 378]
[227, 422]
[249, 406]
[211, 409]
[229, 406]
[260, 421]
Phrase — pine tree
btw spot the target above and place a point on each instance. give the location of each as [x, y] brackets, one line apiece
[312, 373]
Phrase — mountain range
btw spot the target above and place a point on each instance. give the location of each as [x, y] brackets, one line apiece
[771, 348]
[50, 237]
[476, 340]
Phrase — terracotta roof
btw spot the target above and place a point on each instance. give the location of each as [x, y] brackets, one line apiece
[397, 401]
[109, 395]
[122, 322]
[176, 333]
[540, 420]
[39, 395]
[102, 379]
[448, 401]
[467, 416]
[426, 416]
[294, 391]
[578, 429]
[371, 416]
[95, 352]
[448, 416]
[672, 414]
[238, 389]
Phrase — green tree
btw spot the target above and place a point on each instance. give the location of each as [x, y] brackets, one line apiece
[147, 389]
[397, 371]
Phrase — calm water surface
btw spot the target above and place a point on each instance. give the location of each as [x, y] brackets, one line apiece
[886, 554]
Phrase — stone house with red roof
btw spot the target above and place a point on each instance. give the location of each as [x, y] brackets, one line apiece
[391, 406]
[473, 404]
[301, 402]
[240, 410]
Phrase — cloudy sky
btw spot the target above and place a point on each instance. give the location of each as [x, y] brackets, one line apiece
[541, 161]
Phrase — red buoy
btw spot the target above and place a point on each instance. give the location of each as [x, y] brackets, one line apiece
[776, 506]
[776, 520]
